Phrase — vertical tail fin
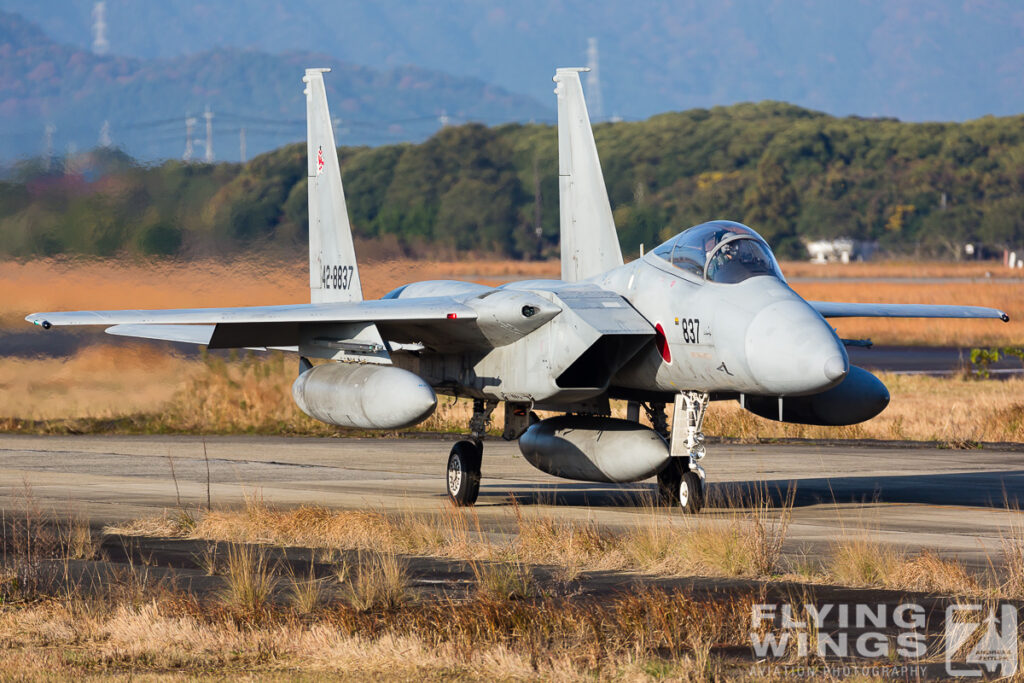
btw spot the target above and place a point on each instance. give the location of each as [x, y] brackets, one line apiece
[333, 273]
[589, 243]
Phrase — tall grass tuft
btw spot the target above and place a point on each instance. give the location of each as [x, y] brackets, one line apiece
[380, 581]
[857, 560]
[249, 578]
[504, 581]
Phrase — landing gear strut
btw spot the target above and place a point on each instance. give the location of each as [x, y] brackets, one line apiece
[682, 481]
[463, 471]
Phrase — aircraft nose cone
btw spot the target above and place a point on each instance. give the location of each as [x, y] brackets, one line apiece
[791, 350]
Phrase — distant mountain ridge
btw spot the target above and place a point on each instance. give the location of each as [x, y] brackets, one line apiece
[917, 60]
[145, 101]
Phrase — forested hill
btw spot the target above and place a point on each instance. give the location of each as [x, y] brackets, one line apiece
[788, 172]
[142, 104]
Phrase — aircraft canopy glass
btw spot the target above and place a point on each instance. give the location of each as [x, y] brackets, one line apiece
[720, 251]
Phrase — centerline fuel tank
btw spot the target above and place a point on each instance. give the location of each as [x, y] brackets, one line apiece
[364, 396]
[594, 448]
[858, 398]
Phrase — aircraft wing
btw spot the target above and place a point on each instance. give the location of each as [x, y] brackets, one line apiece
[188, 334]
[835, 309]
[426, 308]
[277, 326]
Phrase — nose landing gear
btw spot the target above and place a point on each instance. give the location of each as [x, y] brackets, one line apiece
[682, 481]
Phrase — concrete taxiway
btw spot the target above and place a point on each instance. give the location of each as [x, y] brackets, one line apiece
[957, 502]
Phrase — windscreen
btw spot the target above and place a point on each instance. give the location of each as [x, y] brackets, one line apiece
[720, 251]
[738, 259]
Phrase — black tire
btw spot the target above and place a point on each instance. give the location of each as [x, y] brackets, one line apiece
[462, 476]
[690, 493]
[668, 482]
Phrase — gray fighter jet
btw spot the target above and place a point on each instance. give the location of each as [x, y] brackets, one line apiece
[705, 316]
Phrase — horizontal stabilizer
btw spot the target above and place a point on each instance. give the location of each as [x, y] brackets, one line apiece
[835, 309]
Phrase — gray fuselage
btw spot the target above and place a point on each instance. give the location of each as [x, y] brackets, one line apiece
[683, 334]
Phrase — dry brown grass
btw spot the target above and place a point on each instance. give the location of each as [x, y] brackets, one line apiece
[130, 625]
[97, 382]
[504, 581]
[445, 533]
[746, 539]
[380, 581]
[253, 395]
[861, 561]
[249, 578]
[640, 635]
[510, 629]
[746, 542]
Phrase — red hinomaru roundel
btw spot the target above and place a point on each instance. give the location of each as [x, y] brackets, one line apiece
[662, 342]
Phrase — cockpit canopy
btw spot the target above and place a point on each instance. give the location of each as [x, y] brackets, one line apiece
[720, 251]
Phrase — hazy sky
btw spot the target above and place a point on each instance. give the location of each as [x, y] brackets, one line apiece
[913, 59]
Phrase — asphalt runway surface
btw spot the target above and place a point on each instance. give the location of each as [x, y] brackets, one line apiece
[957, 502]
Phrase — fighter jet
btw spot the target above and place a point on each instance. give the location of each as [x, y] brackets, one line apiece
[706, 316]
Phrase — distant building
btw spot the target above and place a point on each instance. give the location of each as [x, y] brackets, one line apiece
[842, 250]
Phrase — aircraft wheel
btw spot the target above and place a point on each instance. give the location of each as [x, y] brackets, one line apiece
[668, 482]
[463, 473]
[691, 493]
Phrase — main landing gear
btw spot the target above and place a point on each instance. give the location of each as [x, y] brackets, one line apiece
[682, 481]
[463, 472]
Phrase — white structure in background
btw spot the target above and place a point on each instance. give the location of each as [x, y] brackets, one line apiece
[842, 250]
[105, 139]
[1011, 260]
[100, 44]
[208, 115]
[48, 133]
[190, 124]
[594, 81]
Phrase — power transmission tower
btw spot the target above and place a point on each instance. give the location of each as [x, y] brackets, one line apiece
[596, 105]
[100, 44]
[208, 115]
[190, 123]
[241, 144]
[69, 158]
[105, 139]
[48, 132]
[537, 229]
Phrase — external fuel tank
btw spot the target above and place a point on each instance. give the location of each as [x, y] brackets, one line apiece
[364, 396]
[594, 448]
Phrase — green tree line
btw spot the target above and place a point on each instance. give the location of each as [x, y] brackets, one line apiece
[790, 173]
